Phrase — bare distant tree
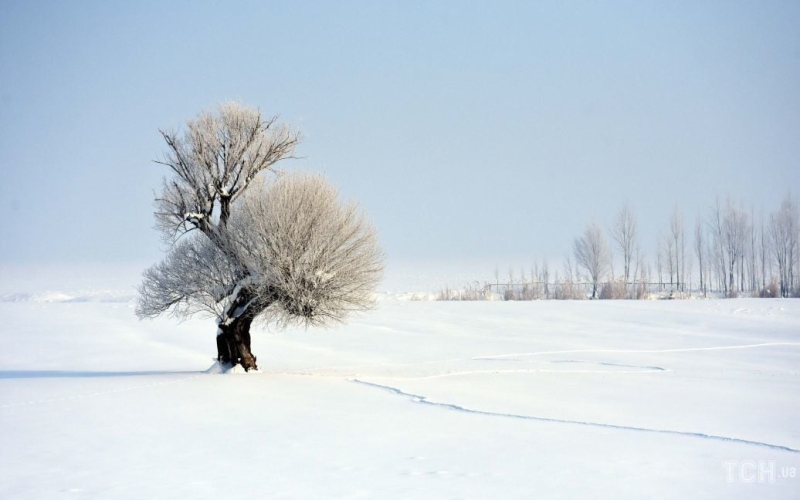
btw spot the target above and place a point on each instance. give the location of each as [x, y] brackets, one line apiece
[699, 250]
[638, 261]
[735, 223]
[592, 254]
[672, 267]
[645, 276]
[784, 227]
[752, 253]
[245, 247]
[730, 227]
[660, 261]
[678, 246]
[624, 233]
[764, 252]
[716, 223]
[545, 278]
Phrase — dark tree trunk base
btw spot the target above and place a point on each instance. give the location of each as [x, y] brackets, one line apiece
[233, 344]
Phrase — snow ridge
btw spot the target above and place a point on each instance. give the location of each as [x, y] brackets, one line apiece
[425, 401]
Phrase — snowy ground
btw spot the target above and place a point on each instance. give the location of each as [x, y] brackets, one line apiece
[656, 399]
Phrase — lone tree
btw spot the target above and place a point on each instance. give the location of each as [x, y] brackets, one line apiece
[592, 254]
[246, 246]
[624, 235]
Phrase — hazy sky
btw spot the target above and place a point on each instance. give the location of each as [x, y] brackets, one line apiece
[490, 131]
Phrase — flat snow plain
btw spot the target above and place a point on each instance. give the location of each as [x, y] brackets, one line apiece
[582, 399]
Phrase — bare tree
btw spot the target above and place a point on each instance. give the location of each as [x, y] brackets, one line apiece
[784, 227]
[660, 262]
[699, 250]
[669, 250]
[764, 252]
[717, 230]
[677, 243]
[734, 237]
[592, 254]
[637, 268]
[624, 234]
[545, 278]
[244, 247]
[645, 277]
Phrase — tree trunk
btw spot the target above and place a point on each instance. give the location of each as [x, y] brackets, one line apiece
[233, 336]
[233, 343]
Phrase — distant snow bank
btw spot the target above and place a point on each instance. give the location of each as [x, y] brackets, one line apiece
[71, 296]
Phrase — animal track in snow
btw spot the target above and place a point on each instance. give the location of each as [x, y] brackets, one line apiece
[449, 406]
[605, 363]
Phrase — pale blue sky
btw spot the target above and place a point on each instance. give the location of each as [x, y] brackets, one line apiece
[489, 131]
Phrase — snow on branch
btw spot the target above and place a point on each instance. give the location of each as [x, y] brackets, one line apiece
[189, 280]
[316, 258]
[213, 162]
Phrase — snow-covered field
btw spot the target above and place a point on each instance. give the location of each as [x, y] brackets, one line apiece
[655, 399]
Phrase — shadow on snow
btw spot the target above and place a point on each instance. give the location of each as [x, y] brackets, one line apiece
[19, 374]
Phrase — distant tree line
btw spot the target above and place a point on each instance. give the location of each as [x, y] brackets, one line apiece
[733, 252]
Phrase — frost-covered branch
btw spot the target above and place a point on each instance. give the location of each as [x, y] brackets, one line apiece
[195, 277]
[213, 162]
[317, 258]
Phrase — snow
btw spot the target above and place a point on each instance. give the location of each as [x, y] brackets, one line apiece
[236, 312]
[193, 215]
[551, 399]
[219, 368]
